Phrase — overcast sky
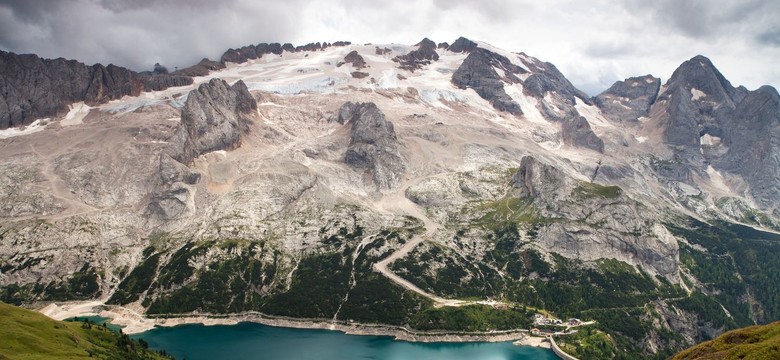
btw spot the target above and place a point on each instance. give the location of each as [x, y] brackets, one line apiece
[594, 43]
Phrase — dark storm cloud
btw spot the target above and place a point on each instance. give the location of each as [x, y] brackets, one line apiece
[126, 5]
[706, 18]
[770, 37]
[139, 33]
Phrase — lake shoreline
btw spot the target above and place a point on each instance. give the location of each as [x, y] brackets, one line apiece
[134, 322]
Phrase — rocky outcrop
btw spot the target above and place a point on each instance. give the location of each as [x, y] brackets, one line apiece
[462, 45]
[630, 99]
[311, 47]
[541, 182]
[213, 118]
[422, 56]
[373, 145]
[250, 52]
[478, 72]
[174, 197]
[382, 51]
[355, 59]
[576, 131]
[595, 221]
[164, 81]
[202, 68]
[35, 88]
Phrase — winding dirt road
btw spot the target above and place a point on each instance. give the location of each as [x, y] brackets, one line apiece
[400, 203]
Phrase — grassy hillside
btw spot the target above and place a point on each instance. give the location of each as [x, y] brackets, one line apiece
[26, 334]
[760, 342]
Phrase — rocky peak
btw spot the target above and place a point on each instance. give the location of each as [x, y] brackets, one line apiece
[373, 144]
[630, 99]
[698, 78]
[708, 122]
[416, 59]
[696, 97]
[462, 45]
[478, 72]
[213, 118]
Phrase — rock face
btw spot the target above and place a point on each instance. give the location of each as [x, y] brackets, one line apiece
[416, 59]
[164, 81]
[752, 137]
[708, 122]
[596, 221]
[630, 99]
[478, 72]
[35, 88]
[174, 196]
[462, 45]
[540, 181]
[373, 145]
[546, 80]
[576, 131]
[213, 118]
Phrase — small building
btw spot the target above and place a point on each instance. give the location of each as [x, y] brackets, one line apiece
[536, 332]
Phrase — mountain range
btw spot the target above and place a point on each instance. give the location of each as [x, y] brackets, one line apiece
[390, 183]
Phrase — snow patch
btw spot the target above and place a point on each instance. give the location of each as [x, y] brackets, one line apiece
[592, 114]
[697, 94]
[527, 104]
[129, 104]
[78, 111]
[389, 79]
[434, 97]
[320, 85]
[709, 140]
[513, 57]
[551, 102]
[641, 139]
[34, 127]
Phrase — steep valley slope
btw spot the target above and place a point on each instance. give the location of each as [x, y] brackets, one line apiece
[287, 181]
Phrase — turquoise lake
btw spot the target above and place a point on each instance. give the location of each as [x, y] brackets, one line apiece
[254, 341]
